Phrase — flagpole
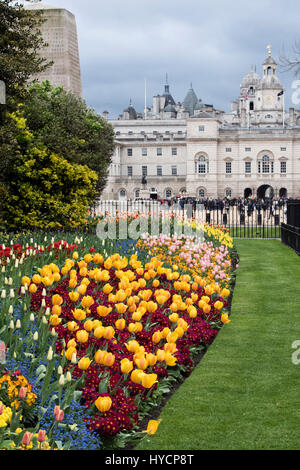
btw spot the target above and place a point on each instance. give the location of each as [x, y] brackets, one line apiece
[283, 113]
[145, 110]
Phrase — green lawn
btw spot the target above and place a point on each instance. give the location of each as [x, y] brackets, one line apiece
[245, 393]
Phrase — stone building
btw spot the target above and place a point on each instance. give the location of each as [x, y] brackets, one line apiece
[194, 148]
[60, 32]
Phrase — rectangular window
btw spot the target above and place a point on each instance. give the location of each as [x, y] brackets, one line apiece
[179, 132]
[228, 149]
[228, 167]
[174, 170]
[283, 149]
[129, 152]
[144, 170]
[247, 167]
[159, 171]
[174, 151]
[129, 171]
[201, 128]
[159, 152]
[248, 149]
[282, 167]
[144, 152]
[130, 132]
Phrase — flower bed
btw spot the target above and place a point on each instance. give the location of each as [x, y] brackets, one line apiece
[117, 331]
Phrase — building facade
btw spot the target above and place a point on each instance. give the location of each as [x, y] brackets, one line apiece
[193, 148]
[59, 31]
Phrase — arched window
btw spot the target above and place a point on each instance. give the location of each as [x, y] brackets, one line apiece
[137, 193]
[122, 194]
[265, 164]
[168, 193]
[201, 165]
[201, 193]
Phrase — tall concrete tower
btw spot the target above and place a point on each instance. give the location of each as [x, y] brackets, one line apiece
[60, 32]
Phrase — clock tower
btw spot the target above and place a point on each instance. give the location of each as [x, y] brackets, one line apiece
[262, 99]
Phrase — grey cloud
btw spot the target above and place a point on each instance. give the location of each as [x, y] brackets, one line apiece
[211, 43]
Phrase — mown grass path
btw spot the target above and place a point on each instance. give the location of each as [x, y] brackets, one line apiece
[245, 393]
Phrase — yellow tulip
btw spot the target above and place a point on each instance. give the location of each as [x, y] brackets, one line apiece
[69, 352]
[148, 380]
[121, 308]
[224, 318]
[72, 326]
[26, 280]
[103, 404]
[218, 305]
[152, 426]
[88, 325]
[126, 366]
[54, 320]
[108, 332]
[32, 288]
[84, 363]
[98, 332]
[82, 289]
[57, 299]
[103, 311]
[141, 363]
[156, 337]
[56, 310]
[87, 301]
[74, 296]
[132, 346]
[136, 376]
[120, 324]
[79, 314]
[107, 289]
[99, 356]
[170, 360]
[82, 336]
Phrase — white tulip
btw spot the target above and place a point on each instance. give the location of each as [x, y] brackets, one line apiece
[35, 336]
[50, 354]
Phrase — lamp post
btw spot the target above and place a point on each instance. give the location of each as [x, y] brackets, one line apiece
[2, 100]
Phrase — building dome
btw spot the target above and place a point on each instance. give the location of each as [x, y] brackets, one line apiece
[170, 108]
[269, 61]
[252, 78]
[271, 81]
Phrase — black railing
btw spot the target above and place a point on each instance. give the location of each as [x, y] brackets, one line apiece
[242, 219]
[290, 231]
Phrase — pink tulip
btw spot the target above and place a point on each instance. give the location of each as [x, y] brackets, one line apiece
[1, 408]
[22, 392]
[60, 416]
[41, 435]
[56, 410]
[27, 438]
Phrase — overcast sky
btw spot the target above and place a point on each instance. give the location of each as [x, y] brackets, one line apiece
[211, 43]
